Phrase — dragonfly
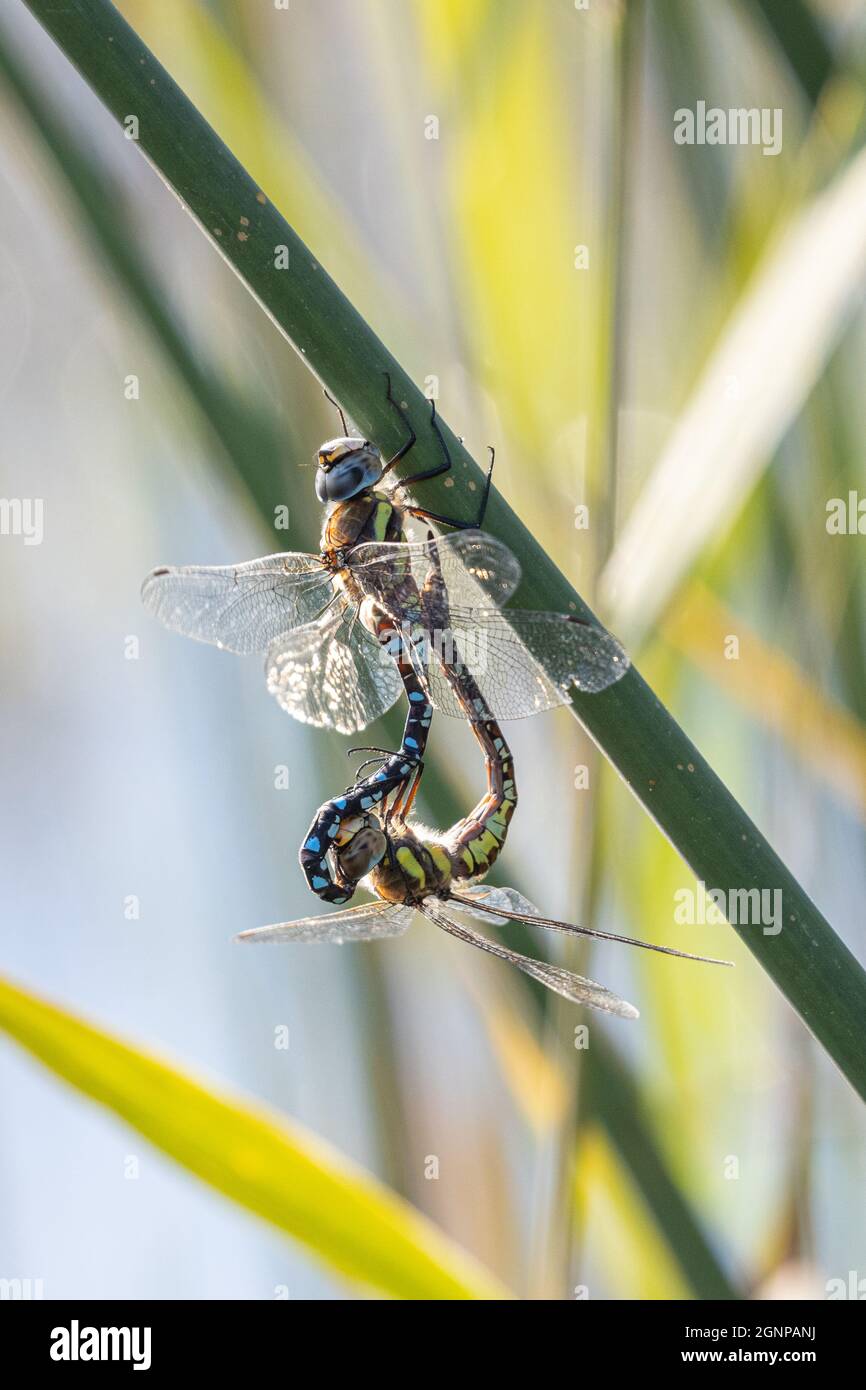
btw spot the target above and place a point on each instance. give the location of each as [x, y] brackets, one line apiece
[330, 624]
[438, 875]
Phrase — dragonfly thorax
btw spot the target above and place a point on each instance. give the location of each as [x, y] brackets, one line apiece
[346, 466]
[416, 866]
[369, 516]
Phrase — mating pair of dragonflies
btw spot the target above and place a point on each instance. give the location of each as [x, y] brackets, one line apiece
[375, 616]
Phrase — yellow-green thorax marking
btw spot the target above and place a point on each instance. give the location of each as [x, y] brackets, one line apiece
[372, 517]
[420, 863]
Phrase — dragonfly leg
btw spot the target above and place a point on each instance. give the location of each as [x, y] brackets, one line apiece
[485, 496]
[405, 795]
[408, 794]
[383, 754]
[404, 449]
[445, 467]
[438, 468]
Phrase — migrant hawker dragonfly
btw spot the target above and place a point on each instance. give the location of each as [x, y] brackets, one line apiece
[325, 621]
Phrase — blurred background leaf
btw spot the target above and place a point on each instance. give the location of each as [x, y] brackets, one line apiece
[281, 1173]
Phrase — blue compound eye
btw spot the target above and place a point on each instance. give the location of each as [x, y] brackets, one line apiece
[346, 467]
[339, 483]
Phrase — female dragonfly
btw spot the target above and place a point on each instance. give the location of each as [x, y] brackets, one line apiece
[438, 874]
[321, 619]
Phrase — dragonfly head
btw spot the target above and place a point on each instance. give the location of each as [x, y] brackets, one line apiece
[346, 466]
[359, 846]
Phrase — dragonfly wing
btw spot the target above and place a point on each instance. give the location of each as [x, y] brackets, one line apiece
[332, 673]
[573, 652]
[511, 906]
[477, 569]
[564, 982]
[241, 608]
[368, 922]
[511, 682]
[484, 898]
[522, 662]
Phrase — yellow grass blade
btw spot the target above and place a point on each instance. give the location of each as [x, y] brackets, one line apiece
[267, 1164]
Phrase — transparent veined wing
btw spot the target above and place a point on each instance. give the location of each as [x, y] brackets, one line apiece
[523, 662]
[240, 608]
[477, 569]
[511, 906]
[564, 982]
[479, 899]
[332, 673]
[369, 922]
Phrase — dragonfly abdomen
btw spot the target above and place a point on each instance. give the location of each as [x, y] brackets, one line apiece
[370, 796]
[475, 843]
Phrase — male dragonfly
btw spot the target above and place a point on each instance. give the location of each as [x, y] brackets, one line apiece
[319, 618]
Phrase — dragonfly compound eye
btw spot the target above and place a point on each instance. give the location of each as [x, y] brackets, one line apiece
[346, 467]
[362, 853]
